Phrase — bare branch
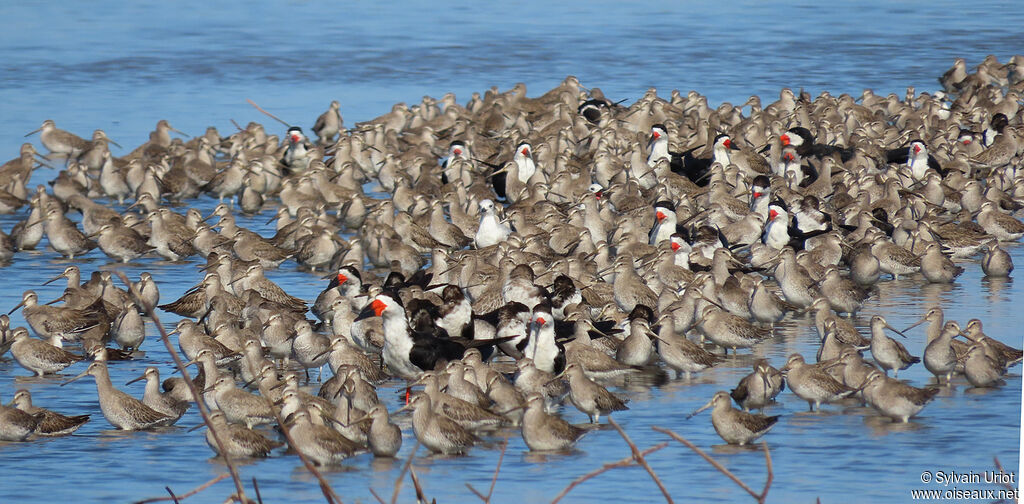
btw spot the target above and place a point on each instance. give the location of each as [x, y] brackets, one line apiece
[256, 487]
[420, 496]
[379, 499]
[325, 486]
[494, 479]
[1002, 471]
[401, 475]
[272, 116]
[196, 395]
[626, 462]
[176, 498]
[760, 497]
[642, 461]
[476, 492]
[768, 465]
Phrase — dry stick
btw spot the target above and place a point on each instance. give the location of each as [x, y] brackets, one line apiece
[379, 499]
[494, 479]
[256, 487]
[203, 412]
[272, 116]
[401, 475]
[626, 462]
[420, 496]
[325, 487]
[717, 465]
[643, 462]
[175, 498]
[1002, 471]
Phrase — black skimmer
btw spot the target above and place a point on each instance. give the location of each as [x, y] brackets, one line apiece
[411, 349]
[802, 139]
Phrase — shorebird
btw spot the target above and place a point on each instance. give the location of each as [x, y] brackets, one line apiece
[309, 348]
[729, 331]
[437, 432]
[64, 236]
[855, 368]
[765, 306]
[759, 388]
[735, 426]
[17, 425]
[328, 124]
[120, 409]
[996, 262]
[1003, 354]
[980, 369]
[682, 355]
[796, 285]
[998, 224]
[239, 440]
[241, 406]
[887, 352]
[939, 356]
[39, 356]
[162, 403]
[934, 317]
[588, 396]
[894, 259]
[51, 423]
[636, 349]
[121, 243]
[545, 432]
[531, 380]
[811, 383]
[893, 398]
[845, 332]
[467, 414]
[384, 438]
[843, 294]
[129, 330]
[58, 141]
[936, 267]
[322, 444]
[48, 321]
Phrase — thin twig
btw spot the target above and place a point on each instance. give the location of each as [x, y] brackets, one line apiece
[196, 395]
[771, 473]
[401, 475]
[173, 497]
[643, 462]
[1002, 471]
[476, 492]
[420, 496]
[494, 479]
[626, 462]
[379, 499]
[272, 116]
[198, 489]
[760, 497]
[325, 486]
[256, 487]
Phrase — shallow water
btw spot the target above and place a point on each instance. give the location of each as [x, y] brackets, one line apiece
[123, 67]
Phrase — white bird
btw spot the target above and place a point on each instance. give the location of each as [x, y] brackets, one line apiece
[491, 230]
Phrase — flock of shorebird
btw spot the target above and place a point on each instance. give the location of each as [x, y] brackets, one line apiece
[514, 252]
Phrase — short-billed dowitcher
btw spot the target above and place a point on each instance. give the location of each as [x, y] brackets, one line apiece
[735, 426]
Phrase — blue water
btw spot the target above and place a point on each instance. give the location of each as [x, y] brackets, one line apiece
[124, 67]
